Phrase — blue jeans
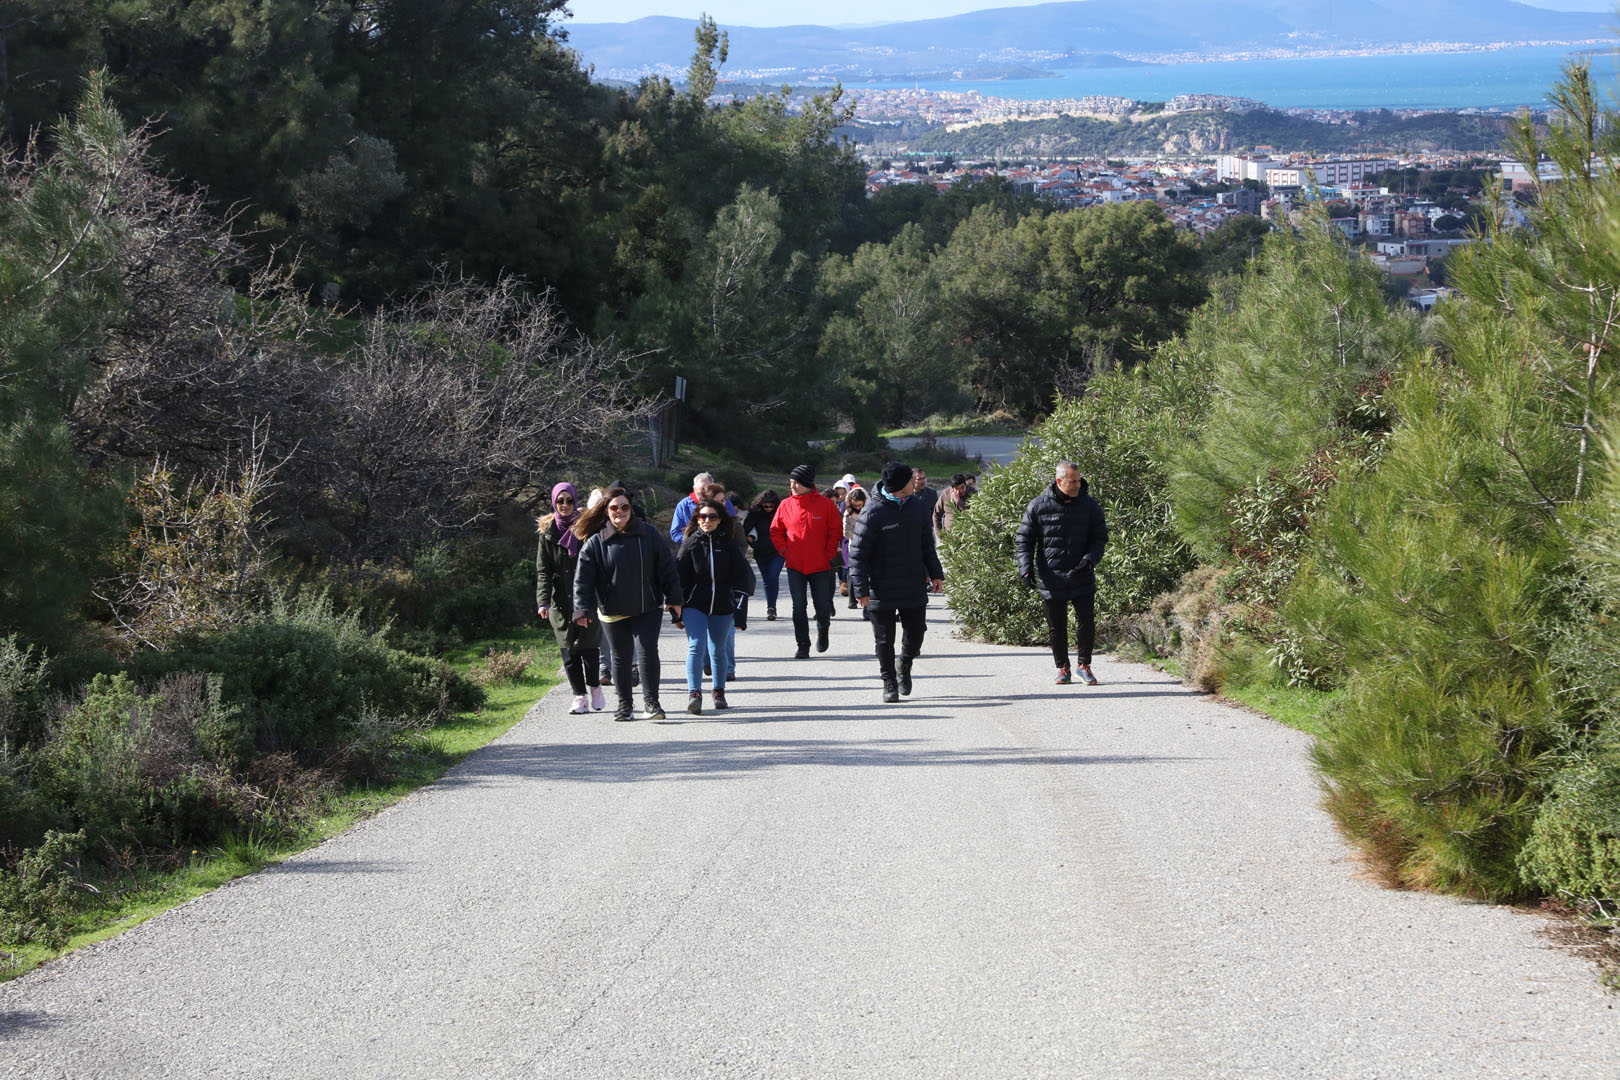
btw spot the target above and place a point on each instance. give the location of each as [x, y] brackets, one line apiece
[708, 637]
[770, 572]
[819, 586]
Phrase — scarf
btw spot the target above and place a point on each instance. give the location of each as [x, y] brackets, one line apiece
[565, 525]
[883, 493]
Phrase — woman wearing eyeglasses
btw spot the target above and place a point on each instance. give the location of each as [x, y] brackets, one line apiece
[555, 563]
[712, 569]
[626, 575]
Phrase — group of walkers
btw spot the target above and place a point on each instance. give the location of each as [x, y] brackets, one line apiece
[606, 576]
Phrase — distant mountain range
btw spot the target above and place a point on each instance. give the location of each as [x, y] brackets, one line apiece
[1022, 41]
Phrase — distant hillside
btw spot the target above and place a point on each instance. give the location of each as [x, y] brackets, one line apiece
[1195, 134]
[1082, 32]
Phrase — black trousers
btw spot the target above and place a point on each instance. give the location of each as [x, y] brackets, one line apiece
[820, 588]
[1057, 627]
[580, 665]
[913, 625]
[635, 637]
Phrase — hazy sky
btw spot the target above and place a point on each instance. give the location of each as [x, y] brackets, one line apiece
[847, 12]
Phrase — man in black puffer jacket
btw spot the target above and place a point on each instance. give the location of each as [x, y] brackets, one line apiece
[892, 565]
[1059, 542]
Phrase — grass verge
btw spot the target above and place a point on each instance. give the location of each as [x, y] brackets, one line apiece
[128, 897]
[1298, 707]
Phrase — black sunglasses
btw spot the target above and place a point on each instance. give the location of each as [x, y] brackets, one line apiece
[708, 517]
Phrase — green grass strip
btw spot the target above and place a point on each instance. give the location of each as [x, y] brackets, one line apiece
[140, 892]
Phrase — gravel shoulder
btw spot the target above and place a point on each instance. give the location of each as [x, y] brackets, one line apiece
[996, 877]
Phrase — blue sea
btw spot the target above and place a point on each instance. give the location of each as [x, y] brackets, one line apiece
[1503, 79]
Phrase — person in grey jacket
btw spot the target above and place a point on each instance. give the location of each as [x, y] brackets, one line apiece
[1059, 542]
[893, 565]
[626, 573]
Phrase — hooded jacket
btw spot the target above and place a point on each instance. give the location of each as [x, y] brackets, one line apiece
[1059, 541]
[892, 556]
[807, 532]
[625, 572]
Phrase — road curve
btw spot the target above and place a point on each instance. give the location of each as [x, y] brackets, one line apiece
[995, 878]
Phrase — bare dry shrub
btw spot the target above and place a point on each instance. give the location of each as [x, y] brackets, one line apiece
[503, 666]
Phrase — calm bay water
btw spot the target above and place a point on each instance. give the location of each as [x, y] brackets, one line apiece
[1506, 78]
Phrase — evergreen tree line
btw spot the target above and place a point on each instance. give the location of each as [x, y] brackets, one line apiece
[1311, 488]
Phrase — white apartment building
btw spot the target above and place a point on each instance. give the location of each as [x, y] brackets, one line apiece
[1274, 172]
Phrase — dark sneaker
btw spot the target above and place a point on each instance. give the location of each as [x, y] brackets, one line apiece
[605, 677]
[821, 639]
[694, 702]
[1062, 677]
[1086, 676]
[891, 693]
[635, 674]
[804, 651]
[770, 614]
[623, 712]
[707, 670]
[652, 711]
[905, 678]
[720, 700]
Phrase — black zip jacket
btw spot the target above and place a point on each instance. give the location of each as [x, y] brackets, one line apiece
[892, 555]
[626, 573]
[712, 567]
[1059, 541]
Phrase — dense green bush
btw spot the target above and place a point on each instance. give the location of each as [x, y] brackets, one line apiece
[37, 897]
[1573, 850]
[301, 673]
[1117, 433]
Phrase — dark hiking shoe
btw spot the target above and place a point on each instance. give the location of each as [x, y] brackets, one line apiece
[905, 676]
[1086, 676]
[651, 710]
[720, 700]
[821, 639]
[624, 712]
[635, 674]
[1063, 678]
[804, 651]
[694, 702]
[770, 614]
[891, 692]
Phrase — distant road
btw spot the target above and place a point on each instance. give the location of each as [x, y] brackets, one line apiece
[996, 449]
[994, 878]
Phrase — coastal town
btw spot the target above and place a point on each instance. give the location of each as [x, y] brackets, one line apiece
[1405, 235]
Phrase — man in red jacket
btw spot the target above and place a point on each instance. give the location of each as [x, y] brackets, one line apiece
[807, 532]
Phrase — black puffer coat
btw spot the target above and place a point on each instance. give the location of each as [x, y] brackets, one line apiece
[712, 567]
[1059, 541]
[892, 555]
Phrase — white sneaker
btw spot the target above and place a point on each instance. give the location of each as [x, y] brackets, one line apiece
[579, 705]
[598, 702]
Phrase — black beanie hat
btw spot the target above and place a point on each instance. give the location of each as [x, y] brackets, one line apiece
[896, 475]
[804, 474]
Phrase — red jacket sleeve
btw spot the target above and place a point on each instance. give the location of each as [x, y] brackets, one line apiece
[779, 528]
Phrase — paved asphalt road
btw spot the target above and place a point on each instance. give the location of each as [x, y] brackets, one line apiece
[994, 878]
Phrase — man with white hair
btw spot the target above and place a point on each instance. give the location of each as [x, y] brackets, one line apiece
[1059, 542]
[688, 506]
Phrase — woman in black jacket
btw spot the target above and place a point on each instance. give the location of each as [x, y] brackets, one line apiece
[713, 569]
[757, 531]
[625, 575]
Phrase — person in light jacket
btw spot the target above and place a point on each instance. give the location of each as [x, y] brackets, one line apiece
[626, 574]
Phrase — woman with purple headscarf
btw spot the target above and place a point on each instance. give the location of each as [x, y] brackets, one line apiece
[555, 564]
